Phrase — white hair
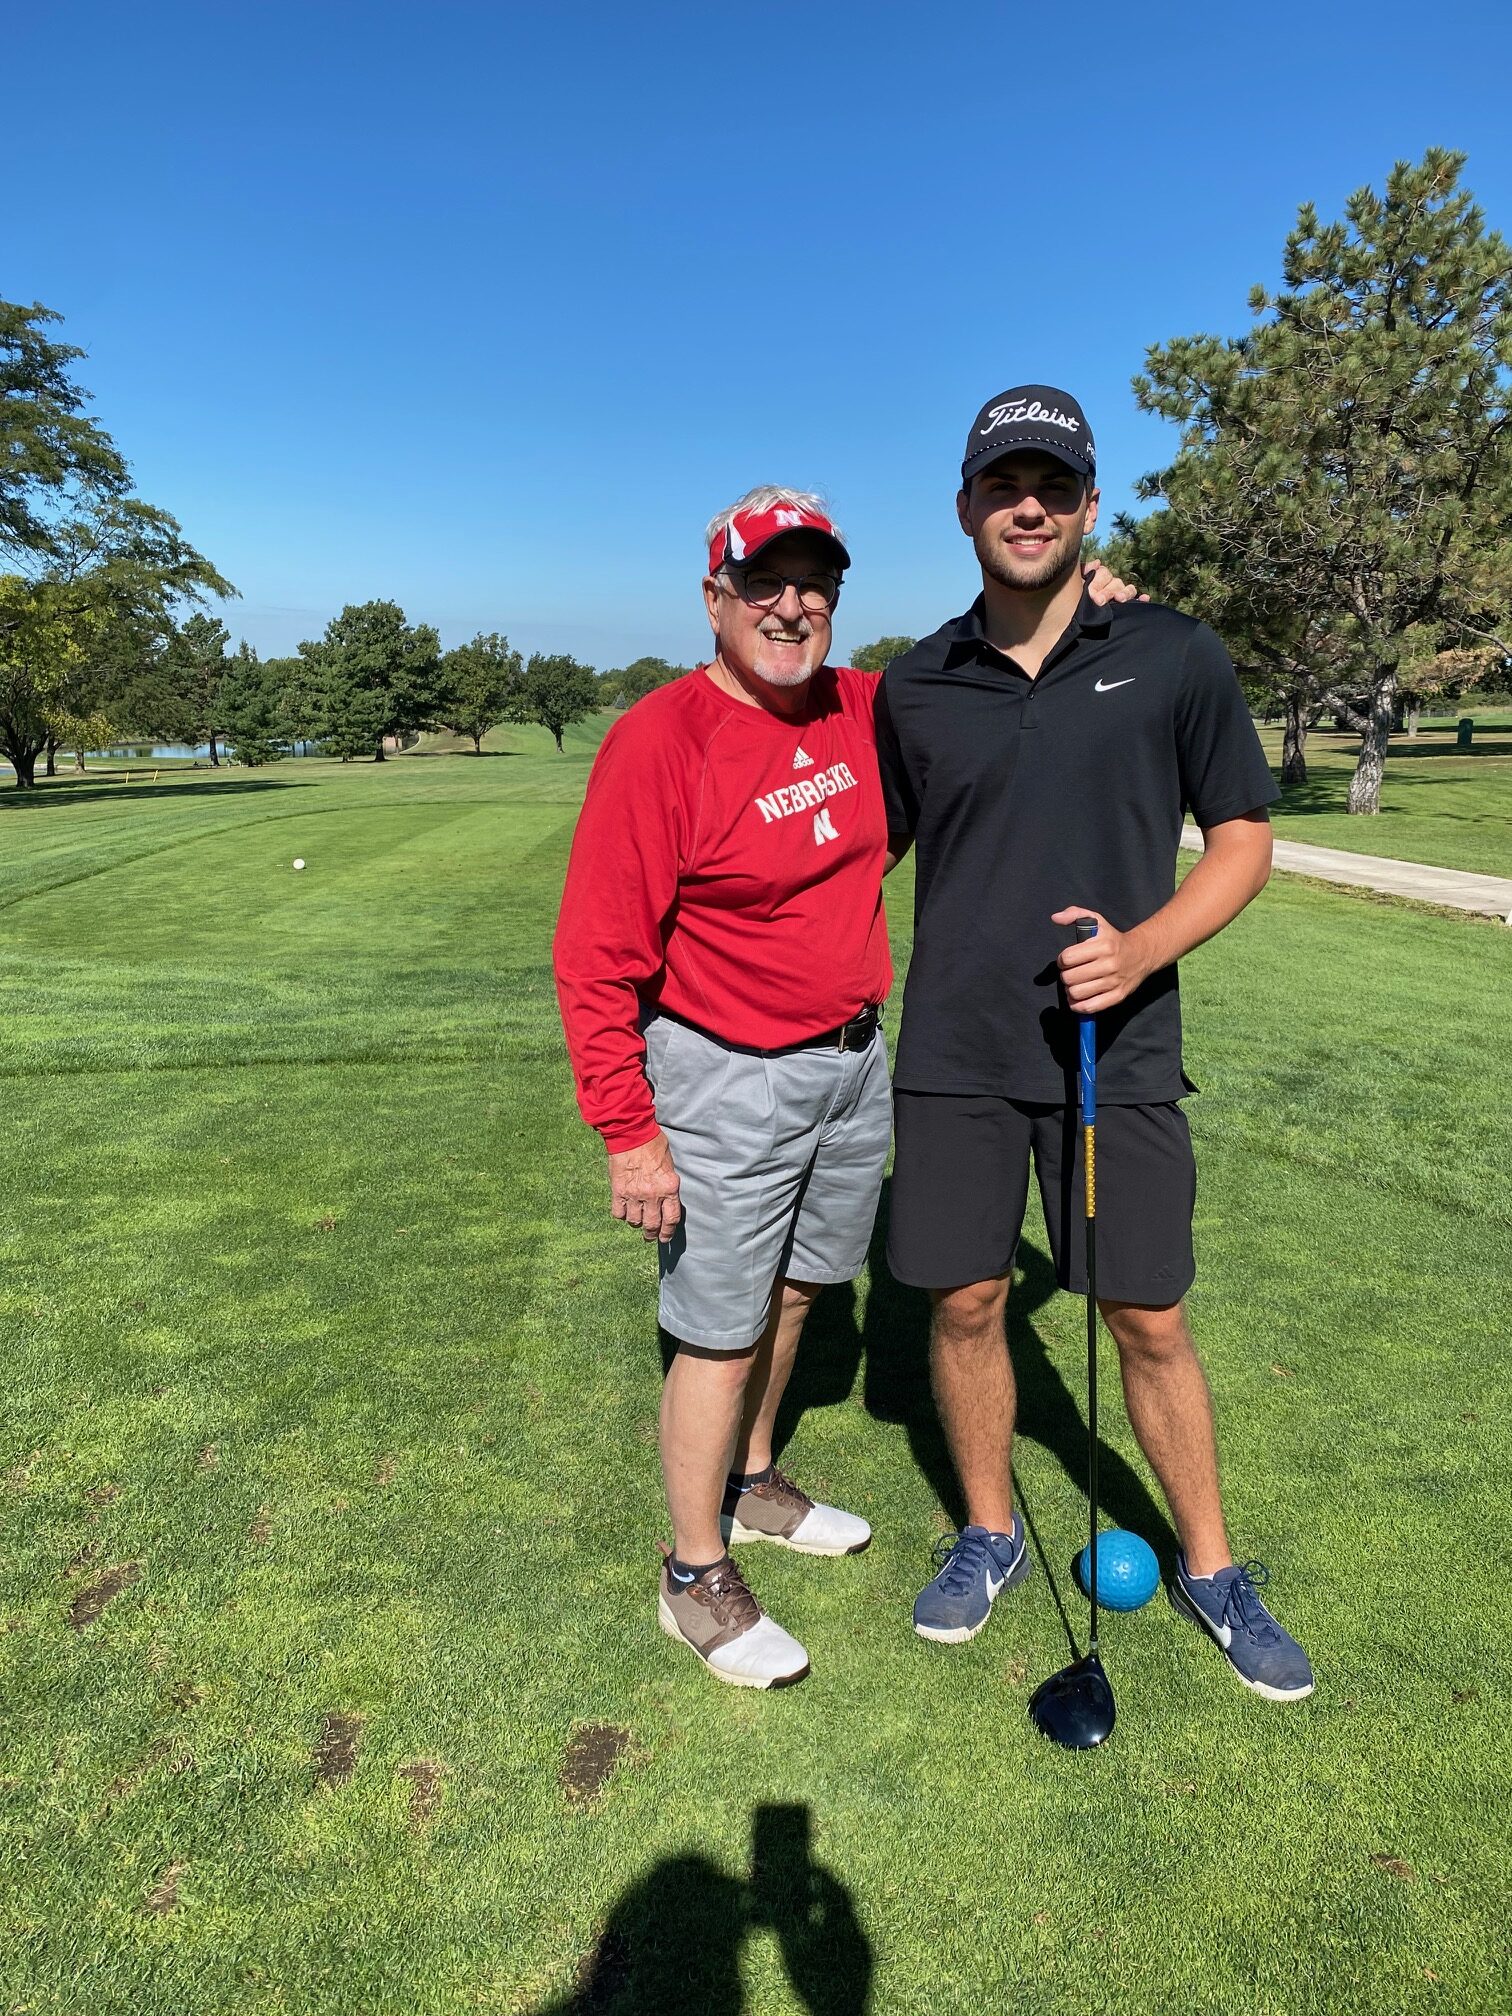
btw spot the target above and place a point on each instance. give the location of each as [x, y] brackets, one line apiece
[766, 497]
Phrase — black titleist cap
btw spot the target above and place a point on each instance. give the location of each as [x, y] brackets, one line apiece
[1030, 416]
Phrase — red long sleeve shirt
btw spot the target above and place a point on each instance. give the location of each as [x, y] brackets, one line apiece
[727, 867]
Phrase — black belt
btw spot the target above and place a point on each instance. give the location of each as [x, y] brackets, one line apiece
[852, 1035]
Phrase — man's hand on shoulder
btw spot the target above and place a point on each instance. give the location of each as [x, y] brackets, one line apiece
[1098, 973]
[1104, 587]
[643, 1188]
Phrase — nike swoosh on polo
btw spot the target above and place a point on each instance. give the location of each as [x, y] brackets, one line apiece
[1111, 685]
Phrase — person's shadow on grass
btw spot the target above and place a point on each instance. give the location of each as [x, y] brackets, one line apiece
[891, 1336]
[672, 1943]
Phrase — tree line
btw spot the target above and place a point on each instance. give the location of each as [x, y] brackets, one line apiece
[106, 633]
[372, 677]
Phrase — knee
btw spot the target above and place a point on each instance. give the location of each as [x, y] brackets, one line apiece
[971, 1310]
[798, 1297]
[1148, 1336]
[724, 1371]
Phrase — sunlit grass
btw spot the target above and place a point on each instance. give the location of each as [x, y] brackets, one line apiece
[320, 1342]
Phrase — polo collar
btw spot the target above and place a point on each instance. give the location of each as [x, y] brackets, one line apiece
[969, 635]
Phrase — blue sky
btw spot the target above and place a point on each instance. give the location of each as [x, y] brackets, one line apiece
[488, 308]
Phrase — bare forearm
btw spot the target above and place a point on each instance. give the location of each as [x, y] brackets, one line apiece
[1223, 881]
[1103, 970]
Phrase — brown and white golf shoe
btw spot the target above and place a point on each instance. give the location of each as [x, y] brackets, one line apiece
[719, 1617]
[778, 1510]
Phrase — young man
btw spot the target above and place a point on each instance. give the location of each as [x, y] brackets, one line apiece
[721, 958]
[1040, 751]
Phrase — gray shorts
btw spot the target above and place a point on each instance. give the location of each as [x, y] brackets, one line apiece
[781, 1162]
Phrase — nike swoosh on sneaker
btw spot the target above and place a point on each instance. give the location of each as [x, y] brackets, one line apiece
[1112, 685]
[993, 1588]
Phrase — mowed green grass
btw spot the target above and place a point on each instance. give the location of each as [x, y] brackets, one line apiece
[1449, 807]
[321, 1346]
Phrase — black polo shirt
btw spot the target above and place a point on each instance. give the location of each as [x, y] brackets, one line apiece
[1025, 796]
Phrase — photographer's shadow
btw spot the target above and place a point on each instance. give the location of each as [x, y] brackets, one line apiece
[673, 1941]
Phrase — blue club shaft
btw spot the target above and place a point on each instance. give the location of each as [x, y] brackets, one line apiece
[1086, 1094]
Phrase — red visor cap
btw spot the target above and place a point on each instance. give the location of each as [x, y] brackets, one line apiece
[749, 531]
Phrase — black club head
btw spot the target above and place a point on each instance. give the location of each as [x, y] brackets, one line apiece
[1075, 1706]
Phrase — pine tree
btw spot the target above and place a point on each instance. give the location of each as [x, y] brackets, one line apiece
[376, 675]
[1343, 491]
[250, 709]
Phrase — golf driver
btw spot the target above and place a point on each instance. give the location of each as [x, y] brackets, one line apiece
[1075, 1706]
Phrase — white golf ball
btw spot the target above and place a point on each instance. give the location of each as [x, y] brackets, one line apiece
[299, 864]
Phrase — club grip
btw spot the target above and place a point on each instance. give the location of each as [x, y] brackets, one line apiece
[1086, 1079]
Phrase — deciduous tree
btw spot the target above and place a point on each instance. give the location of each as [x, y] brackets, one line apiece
[555, 692]
[103, 594]
[479, 687]
[877, 657]
[632, 682]
[49, 448]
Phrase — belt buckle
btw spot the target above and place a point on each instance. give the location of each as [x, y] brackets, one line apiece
[846, 1028]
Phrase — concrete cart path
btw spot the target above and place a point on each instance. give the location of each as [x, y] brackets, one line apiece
[1453, 888]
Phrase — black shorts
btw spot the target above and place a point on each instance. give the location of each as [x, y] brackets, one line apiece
[961, 1182]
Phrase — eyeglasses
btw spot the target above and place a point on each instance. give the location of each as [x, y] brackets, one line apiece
[762, 587]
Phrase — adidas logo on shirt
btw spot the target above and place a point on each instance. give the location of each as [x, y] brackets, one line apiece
[803, 761]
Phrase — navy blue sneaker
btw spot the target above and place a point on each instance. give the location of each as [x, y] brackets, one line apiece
[975, 1568]
[1228, 1607]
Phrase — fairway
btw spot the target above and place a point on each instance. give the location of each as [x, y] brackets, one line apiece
[1448, 807]
[330, 1495]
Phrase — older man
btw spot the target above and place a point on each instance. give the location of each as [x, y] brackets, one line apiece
[721, 960]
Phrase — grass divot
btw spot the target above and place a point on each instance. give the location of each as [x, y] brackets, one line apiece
[335, 1753]
[424, 1776]
[161, 1753]
[1395, 1866]
[89, 1603]
[163, 1897]
[593, 1750]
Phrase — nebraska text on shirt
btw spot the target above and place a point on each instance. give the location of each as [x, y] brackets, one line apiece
[807, 792]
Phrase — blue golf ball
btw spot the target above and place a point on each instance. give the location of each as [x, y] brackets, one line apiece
[1127, 1572]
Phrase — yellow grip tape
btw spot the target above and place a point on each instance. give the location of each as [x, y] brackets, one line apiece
[1089, 1136]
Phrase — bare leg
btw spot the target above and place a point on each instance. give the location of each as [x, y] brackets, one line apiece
[700, 1418]
[770, 1371]
[974, 1390]
[1171, 1413]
